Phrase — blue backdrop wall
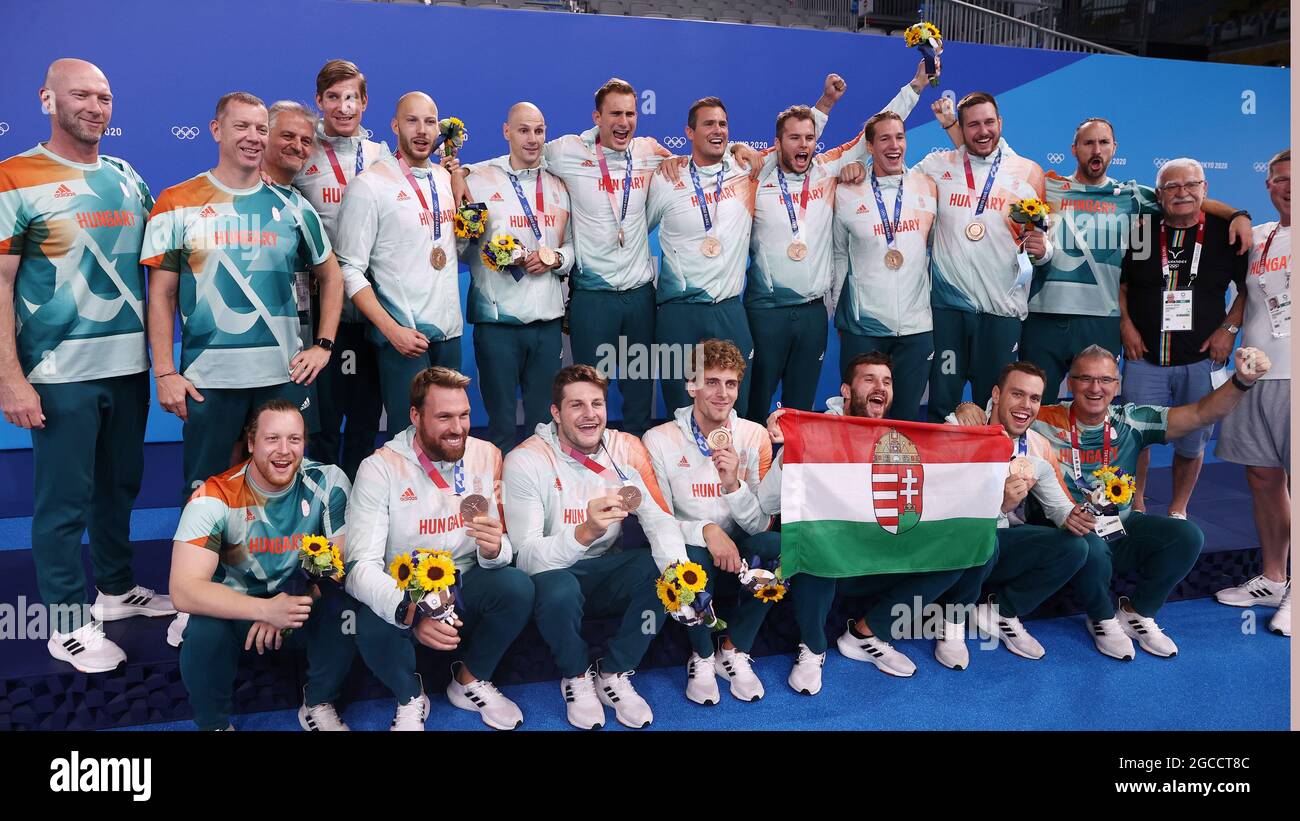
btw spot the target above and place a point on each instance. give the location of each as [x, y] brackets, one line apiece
[168, 62]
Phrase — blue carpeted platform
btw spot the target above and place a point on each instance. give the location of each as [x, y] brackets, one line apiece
[1221, 680]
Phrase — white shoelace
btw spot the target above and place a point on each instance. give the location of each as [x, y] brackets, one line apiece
[584, 684]
[325, 715]
[484, 689]
[807, 655]
[413, 710]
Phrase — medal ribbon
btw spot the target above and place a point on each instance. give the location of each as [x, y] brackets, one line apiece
[457, 473]
[1263, 262]
[890, 228]
[789, 203]
[700, 441]
[609, 182]
[988, 183]
[334, 162]
[433, 194]
[1106, 433]
[704, 205]
[594, 466]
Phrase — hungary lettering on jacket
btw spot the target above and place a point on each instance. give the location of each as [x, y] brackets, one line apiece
[105, 219]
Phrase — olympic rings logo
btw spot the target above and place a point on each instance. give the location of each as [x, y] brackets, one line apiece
[1055, 157]
[368, 132]
[821, 146]
[184, 132]
[4, 128]
[675, 142]
[1159, 161]
[1260, 167]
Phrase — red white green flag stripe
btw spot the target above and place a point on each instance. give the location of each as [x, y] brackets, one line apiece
[865, 496]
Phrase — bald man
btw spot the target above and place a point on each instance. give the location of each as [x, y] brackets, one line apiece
[516, 311]
[397, 248]
[75, 373]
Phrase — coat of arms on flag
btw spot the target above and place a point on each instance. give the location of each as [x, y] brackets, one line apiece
[863, 496]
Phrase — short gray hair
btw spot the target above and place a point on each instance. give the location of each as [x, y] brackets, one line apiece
[290, 107]
[1093, 352]
[1181, 162]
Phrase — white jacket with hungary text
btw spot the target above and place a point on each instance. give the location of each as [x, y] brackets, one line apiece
[546, 494]
[398, 508]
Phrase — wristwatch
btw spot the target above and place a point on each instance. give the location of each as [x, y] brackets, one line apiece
[327, 344]
[1242, 213]
[405, 608]
[1230, 328]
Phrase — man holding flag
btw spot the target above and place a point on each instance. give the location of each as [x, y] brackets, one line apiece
[832, 500]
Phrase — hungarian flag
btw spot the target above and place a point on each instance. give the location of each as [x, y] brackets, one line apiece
[868, 496]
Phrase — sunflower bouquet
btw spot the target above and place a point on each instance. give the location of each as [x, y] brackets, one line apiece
[318, 558]
[502, 252]
[763, 580]
[452, 135]
[470, 220]
[1115, 488]
[428, 577]
[925, 36]
[1031, 212]
[681, 590]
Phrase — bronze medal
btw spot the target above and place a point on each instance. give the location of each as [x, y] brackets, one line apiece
[711, 247]
[893, 259]
[547, 256]
[438, 258]
[975, 231]
[473, 506]
[630, 496]
[620, 237]
[1022, 467]
[718, 439]
[797, 250]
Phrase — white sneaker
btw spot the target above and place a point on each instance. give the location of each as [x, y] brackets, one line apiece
[701, 681]
[176, 630]
[1110, 639]
[138, 601]
[321, 718]
[615, 690]
[1259, 590]
[737, 667]
[806, 674]
[410, 716]
[482, 697]
[872, 649]
[950, 646]
[580, 701]
[1148, 634]
[1281, 621]
[1173, 514]
[1008, 630]
[87, 649]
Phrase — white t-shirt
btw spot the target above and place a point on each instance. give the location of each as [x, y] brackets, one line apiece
[1267, 279]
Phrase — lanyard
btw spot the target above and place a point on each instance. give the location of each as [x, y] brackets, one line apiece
[1022, 446]
[1106, 433]
[1171, 281]
[523, 201]
[891, 227]
[1263, 264]
[609, 182]
[700, 441]
[789, 203]
[988, 183]
[594, 466]
[457, 472]
[433, 193]
[704, 205]
[334, 163]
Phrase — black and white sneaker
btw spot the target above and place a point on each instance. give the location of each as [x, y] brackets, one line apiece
[1259, 590]
[411, 715]
[1111, 639]
[580, 701]
[87, 649]
[1281, 621]
[482, 697]
[138, 601]
[1008, 629]
[874, 651]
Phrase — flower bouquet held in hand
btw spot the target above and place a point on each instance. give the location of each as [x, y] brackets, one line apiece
[452, 135]
[470, 220]
[502, 253]
[428, 577]
[925, 36]
[763, 579]
[318, 558]
[681, 590]
[1109, 493]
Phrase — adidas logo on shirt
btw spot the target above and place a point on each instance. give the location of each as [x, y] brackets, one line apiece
[63, 191]
[588, 164]
[496, 198]
[248, 515]
[680, 186]
[769, 185]
[402, 196]
[946, 176]
[209, 211]
[558, 486]
[312, 170]
[862, 209]
[683, 463]
[407, 496]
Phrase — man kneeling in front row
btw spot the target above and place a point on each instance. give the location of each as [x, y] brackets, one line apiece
[236, 548]
[420, 491]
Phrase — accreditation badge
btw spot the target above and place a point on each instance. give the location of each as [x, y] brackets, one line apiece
[1279, 315]
[1177, 311]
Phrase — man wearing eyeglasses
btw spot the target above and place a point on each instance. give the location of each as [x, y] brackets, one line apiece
[1159, 550]
[1172, 319]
